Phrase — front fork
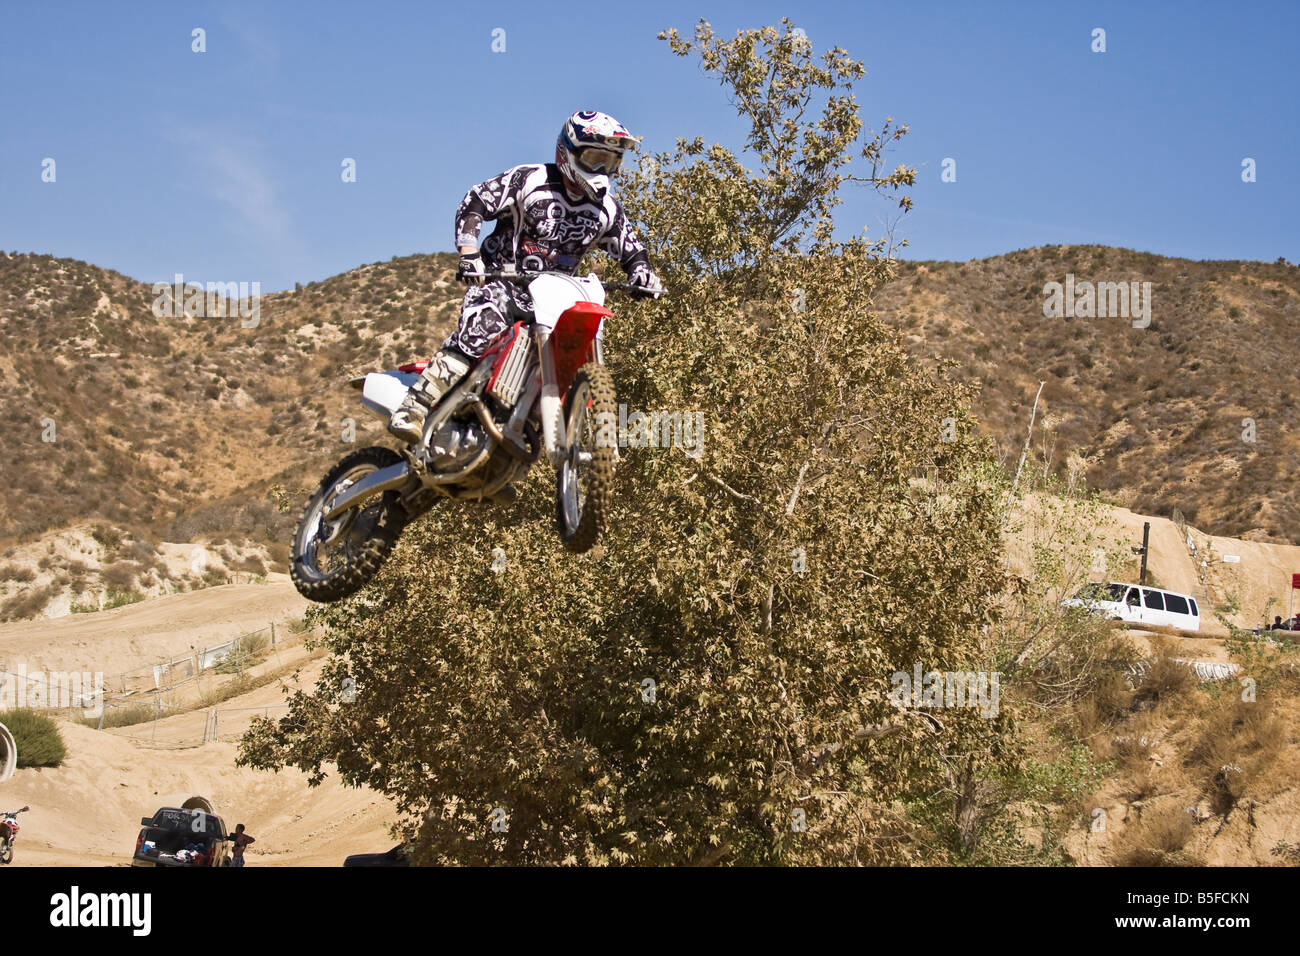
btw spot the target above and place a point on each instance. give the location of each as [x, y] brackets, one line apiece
[551, 403]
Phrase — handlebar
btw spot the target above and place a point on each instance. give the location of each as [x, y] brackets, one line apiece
[529, 276]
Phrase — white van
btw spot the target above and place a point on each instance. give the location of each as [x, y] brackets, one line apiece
[1140, 604]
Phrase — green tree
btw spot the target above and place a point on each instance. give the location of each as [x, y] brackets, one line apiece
[711, 685]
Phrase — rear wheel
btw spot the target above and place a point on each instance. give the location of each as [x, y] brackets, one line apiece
[334, 559]
[585, 479]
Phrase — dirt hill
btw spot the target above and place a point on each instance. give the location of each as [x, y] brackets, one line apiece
[149, 422]
[147, 632]
[145, 429]
[142, 430]
[1154, 415]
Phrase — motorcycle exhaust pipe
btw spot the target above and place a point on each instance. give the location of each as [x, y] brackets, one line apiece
[515, 450]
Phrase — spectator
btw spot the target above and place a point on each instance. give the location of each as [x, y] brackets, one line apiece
[241, 840]
[1277, 624]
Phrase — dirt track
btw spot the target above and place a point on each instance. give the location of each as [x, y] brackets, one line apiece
[139, 635]
[1262, 571]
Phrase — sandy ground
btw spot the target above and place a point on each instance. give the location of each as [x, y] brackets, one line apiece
[87, 812]
[1186, 648]
[1263, 571]
[140, 635]
[297, 668]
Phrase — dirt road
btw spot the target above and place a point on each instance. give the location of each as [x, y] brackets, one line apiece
[141, 634]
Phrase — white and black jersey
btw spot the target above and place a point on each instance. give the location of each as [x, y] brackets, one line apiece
[539, 228]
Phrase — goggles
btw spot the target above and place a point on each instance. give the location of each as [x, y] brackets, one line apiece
[595, 159]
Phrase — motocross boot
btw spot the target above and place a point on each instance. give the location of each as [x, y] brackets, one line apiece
[443, 371]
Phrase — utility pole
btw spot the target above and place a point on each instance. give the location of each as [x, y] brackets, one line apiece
[1290, 595]
[1146, 536]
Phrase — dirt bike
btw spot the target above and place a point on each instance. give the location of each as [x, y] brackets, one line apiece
[541, 388]
[9, 833]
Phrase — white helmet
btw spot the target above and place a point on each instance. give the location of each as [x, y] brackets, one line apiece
[590, 150]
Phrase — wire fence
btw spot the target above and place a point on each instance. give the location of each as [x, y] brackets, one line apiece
[170, 674]
[131, 703]
[213, 725]
[214, 728]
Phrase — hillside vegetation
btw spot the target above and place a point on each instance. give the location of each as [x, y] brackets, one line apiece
[1154, 415]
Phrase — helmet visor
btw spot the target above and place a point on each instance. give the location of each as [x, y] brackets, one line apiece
[594, 159]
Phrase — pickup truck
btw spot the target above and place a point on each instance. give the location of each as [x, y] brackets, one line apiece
[187, 836]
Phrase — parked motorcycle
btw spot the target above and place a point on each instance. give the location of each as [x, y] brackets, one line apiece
[9, 833]
[540, 389]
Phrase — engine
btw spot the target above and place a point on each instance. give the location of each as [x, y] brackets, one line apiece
[454, 444]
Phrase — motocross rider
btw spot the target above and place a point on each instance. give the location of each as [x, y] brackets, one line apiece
[547, 218]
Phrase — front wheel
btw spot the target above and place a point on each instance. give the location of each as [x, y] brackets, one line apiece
[584, 482]
[334, 559]
[6, 852]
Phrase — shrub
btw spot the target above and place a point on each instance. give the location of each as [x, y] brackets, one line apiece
[108, 536]
[120, 575]
[248, 650]
[121, 599]
[278, 551]
[143, 551]
[1237, 752]
[14, 572]
[37, 737]
[1159, 839]
[1166, 677]
[252, 564]
[239, 684]
[29, 603]
[137, 712]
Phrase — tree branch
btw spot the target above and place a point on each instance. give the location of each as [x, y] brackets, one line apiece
[730, 490]
[817, 755]
[789, 508]
[1028, 439]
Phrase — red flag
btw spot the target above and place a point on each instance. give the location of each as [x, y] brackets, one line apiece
[1295, 581]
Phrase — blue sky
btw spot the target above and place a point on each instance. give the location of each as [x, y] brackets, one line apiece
[225, 165]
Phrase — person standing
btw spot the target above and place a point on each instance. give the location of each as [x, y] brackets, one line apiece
[240, 839]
